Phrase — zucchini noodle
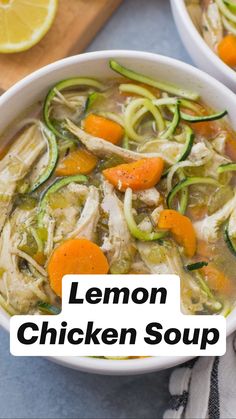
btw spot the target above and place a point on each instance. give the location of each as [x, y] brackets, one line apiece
[138, 90]
[173, 125]
[184, 195]
[225, 10]
[131, 118]
[185, 163]
[106, 162]
[133, 228]
[113, 117]
[231, 27]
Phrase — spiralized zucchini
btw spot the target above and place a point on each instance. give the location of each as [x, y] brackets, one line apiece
[133, 228]
[61, 132]
[127, 168]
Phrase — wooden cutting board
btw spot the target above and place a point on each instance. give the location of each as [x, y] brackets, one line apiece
[75, 25]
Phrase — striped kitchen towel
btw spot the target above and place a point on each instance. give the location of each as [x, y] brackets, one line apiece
[205, 387]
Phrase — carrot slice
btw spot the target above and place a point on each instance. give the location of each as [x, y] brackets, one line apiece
[77, 162]
[217, 280]
[206, 129]
[227, 50]
[75, 256]
[140, 175]
[204, 250]
[103, 128]
[182, 229]
[198, 212]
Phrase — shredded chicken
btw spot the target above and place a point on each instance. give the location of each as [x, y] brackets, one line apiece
[208, 228]
[168, 150]
[150, 197]
[219, 142]
[104, 148]
[15, 166]
[21, 289]
[212, 27]
[155, 257]
[86, 226]
[118, 245]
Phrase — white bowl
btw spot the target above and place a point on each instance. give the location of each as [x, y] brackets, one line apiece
[95, 64]
[199, 51]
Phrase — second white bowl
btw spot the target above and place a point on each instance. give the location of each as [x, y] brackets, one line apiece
[199, 51]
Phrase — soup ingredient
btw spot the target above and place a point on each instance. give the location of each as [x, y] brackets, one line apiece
[228, 167]
[208, 228]
[230, 241]
[196, 266]
[189, 135]
[139, 175]
[202, 118]
[230, 146]
[216, 279]
[47, 308]
[227, 50]
[231, 5]
[136, 90]
[78, 161]
[204, 129]
[87, 224]
[106, 149]
[188, 182]
[103, 128]
[219, 198]
[76, 256]
[133, 228]
[56, 186]
[16, 165]
[182, 229]
[212, 26]
[50, 139]
[57, 127]
[117, 244]
[24, 24]
[173, 125]
[132, 75]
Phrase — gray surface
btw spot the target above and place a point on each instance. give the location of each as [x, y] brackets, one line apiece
[36, 388]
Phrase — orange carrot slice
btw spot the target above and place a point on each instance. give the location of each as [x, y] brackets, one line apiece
[140, 175]
[206, 129]
[75, 256]
[204, 250]
[197, 213]
[217, 280]
[182, 229]
[77, 162]
[227, 50]
[103, 128]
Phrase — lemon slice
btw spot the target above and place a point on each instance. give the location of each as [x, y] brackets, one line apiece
[23, 23]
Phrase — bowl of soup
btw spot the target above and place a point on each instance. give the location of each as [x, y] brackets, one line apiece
[117, 162]
[207, 29]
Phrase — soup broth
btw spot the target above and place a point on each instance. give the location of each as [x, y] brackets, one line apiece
[121, 176]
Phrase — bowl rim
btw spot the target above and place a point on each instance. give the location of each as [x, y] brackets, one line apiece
[209, 55]
[105, 366]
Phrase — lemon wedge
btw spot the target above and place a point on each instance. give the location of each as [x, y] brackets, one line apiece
[23, 23]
